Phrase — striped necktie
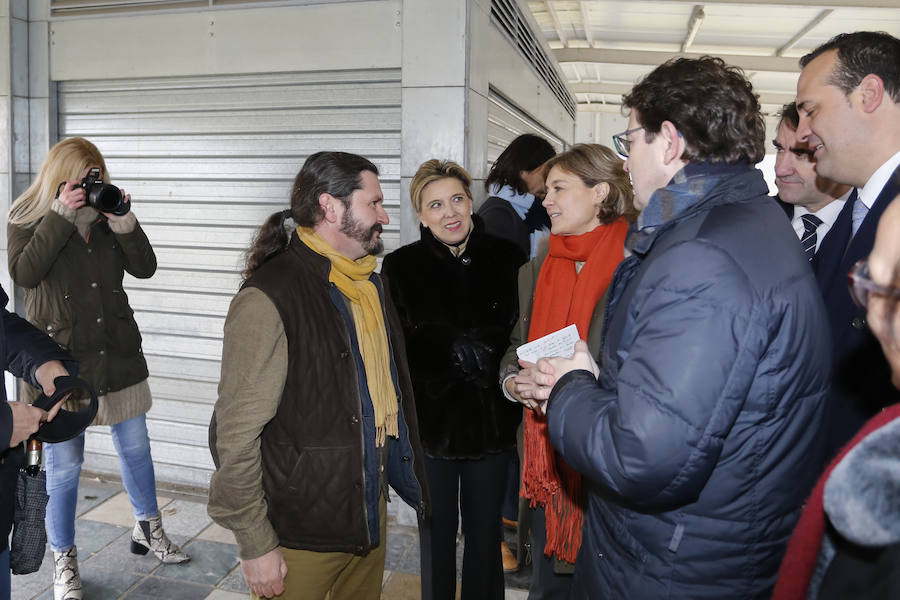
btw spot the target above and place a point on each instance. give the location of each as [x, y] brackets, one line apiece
[810, 224]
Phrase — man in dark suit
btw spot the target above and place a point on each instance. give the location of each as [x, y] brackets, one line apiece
[812, 202]
[848, 97]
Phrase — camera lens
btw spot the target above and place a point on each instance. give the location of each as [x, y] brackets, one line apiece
[105, 198]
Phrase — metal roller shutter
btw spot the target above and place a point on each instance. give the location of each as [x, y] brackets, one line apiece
[206, 160]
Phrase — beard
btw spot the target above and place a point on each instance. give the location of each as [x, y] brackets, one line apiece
[367, 236]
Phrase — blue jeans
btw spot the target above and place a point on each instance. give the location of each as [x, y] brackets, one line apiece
[64, 460]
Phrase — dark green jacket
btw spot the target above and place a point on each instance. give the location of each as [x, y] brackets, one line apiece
[74, 293]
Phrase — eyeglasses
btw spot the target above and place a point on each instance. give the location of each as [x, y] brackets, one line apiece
[622, 143]
[862, 286]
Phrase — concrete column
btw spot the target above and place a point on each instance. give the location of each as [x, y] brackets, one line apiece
[434, 84]
[25, 124]
[24, 105]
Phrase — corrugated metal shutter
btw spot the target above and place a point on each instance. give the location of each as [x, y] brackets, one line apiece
[506, 122]
[206, 160]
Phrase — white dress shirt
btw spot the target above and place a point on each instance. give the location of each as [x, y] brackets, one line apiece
[828, 213]
[869, 192]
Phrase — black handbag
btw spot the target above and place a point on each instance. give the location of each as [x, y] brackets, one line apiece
[29, 536]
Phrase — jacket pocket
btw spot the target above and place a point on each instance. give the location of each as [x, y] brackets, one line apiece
[126, 335]
[620, 544]
[60, 331]
[321, 496]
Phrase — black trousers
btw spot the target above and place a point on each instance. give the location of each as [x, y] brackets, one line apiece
[546, 584]
[474, 488]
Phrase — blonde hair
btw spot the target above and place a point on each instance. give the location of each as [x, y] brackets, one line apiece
[593, 164]
[66, 160]
[433, 170]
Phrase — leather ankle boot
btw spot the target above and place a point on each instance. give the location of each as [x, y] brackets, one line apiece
[149, 535]
[66, 580]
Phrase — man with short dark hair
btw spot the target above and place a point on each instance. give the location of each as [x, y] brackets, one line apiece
[315, 415]
[848, 97]
[700, 434]
[811, 201]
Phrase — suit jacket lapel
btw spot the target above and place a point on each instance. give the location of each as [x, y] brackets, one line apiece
[831, 251]
[861, 244]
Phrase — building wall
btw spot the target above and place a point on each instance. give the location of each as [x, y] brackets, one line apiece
[206, 115]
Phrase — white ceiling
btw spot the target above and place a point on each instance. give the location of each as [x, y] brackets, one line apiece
[605, 46]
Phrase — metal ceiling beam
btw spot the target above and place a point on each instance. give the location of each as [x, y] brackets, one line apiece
[697, 16]
[652, 58]
[798, 3]
[586, 24]
[619, 89]
[767, 110]
[556, 23]
[802, 33]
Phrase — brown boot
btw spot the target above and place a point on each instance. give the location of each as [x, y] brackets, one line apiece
[510, 564]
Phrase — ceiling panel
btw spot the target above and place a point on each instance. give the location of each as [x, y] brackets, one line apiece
[764, 36]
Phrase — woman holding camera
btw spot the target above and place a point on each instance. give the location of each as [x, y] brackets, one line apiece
[71, 259]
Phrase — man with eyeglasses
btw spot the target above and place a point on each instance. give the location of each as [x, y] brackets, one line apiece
[700, 434]
[858, 554]
[811, 201]
[848, 97]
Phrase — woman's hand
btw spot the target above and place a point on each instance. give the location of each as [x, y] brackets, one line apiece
[116, 218]
[522, 387]
[72, 195]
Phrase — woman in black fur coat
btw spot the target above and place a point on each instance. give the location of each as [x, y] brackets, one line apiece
[455, 290]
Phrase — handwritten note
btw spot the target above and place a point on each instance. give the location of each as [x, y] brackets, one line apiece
[558, 343]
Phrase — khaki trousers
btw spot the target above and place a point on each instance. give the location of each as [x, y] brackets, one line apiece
[335, 575]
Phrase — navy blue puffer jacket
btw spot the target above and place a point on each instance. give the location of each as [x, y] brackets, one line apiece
[702, 436]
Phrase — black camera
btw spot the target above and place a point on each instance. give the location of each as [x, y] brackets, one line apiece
[104, 197]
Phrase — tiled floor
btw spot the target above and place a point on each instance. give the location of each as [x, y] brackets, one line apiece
[110, 571]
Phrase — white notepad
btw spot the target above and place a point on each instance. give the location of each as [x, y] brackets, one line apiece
[558, 343]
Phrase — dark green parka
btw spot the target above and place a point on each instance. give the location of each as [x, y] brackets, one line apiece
[74, 292]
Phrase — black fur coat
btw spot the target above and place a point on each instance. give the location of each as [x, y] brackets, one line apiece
[457, 313]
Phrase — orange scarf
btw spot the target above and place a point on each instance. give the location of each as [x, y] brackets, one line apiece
[562, 297]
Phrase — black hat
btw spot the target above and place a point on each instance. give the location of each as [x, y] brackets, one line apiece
[66, 424]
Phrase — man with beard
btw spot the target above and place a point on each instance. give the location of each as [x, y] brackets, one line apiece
[315, 415]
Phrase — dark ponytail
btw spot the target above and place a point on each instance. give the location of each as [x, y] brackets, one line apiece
[335, 173]
[269, 240]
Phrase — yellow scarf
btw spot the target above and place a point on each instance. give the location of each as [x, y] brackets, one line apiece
[352, 279]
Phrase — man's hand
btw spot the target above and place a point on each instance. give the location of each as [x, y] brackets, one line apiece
[549, 370]
[26, 420]
[265, 575]
[45, 376]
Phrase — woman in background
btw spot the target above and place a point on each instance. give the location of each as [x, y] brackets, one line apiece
[455, 291]
[589, 202]
[515, 188]
[71, 260]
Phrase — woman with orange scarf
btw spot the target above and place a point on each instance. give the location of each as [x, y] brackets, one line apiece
[589, 201]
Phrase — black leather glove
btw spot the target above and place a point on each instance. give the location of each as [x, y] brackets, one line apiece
[471, 357]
